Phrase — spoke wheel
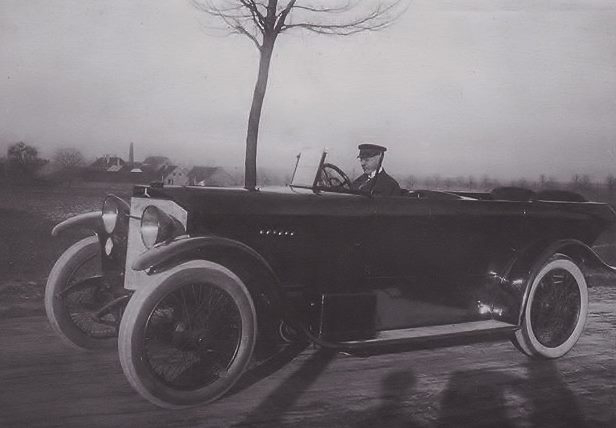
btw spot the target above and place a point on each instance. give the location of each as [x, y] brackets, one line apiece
[555, 311]
[75, 292]
[186, 339]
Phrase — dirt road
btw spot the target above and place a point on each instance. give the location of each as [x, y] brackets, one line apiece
[44, 383]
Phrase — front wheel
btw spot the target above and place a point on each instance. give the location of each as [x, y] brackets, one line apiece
[76, 293]
[187, 338]
[555, 311]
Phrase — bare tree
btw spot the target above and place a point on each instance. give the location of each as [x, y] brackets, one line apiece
[522, 182]
[68, 160]
[410, 181]
[580, 182]
[262, 21]
[23, 160]
[547, 182]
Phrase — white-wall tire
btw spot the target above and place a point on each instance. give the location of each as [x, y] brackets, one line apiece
[73, 324]
[173, 320]
[555, 311]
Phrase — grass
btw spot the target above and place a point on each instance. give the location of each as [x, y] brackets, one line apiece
[27, 249]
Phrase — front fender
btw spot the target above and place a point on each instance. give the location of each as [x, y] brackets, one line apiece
[233, 254]
[92, 220]
[158, 256]
[259, 277]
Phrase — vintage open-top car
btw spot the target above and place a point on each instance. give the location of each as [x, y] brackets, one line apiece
[197, 282]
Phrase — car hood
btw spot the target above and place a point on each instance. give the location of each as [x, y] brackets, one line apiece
[281, 200]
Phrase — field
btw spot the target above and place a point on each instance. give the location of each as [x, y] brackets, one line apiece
[27, 250]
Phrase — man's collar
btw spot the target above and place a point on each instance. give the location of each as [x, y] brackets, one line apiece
[373, 173]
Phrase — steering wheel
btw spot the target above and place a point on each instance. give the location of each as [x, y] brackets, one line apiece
[333, 177]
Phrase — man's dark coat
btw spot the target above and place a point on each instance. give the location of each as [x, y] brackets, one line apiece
[382, 184]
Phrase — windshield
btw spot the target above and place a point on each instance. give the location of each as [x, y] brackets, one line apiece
[308, 164]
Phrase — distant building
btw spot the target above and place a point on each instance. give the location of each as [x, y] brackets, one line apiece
[176, 175]
[210, 176]
[155, 162]
[108, 163]
[112, 168]
[155, 168]
[108, 168]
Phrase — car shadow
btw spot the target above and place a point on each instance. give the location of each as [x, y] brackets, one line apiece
[496, 398]
[477, 398]
[268, 367]
[278, 402]
[551, 397]
[397, 387]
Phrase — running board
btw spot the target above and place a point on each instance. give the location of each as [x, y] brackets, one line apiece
[398, 336]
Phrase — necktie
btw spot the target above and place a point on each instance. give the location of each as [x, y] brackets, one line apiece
[366, 184]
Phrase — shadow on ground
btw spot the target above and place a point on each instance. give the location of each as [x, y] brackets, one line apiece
[473, 398]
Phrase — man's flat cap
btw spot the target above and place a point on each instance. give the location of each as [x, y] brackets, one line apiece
[369, 150]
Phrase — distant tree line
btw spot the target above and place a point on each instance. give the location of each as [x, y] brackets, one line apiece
[23, 164]
[601, 190]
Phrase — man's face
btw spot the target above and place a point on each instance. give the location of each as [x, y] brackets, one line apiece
[369, 164]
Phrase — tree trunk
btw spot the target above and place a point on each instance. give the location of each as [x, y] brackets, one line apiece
[252, 136]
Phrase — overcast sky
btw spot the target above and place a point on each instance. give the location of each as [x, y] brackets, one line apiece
[508, 88]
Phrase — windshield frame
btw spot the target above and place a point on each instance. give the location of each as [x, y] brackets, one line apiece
[308, 166]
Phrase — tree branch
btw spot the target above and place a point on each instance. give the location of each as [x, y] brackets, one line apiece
[282, 16]
[376, 19]
[239, 16]
[323, 9]
[241, 30]
[257, 17]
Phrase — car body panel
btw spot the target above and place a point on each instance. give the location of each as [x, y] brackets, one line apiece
[133, 279]
[363, 265]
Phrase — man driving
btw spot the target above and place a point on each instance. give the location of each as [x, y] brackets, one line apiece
[374, 179]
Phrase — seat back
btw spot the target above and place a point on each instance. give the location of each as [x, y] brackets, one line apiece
[511, 193]
[559, 195]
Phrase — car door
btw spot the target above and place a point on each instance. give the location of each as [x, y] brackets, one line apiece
[399, 267]
[473, 240]
[431, 258]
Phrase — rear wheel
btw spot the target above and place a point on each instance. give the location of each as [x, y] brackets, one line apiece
[186, 339]
[74, 295]
[555, 311]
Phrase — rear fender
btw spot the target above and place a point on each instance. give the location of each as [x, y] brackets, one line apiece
[92, 221]
[515, 288]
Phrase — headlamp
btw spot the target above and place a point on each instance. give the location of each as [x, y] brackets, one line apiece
[110, 214]
[150, 226]
[157, 226]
